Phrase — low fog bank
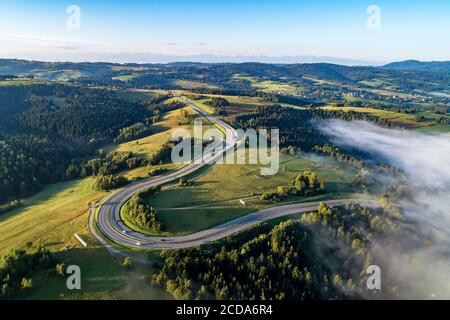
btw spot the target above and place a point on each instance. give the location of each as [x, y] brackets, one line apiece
[425, 160]
[424, 157]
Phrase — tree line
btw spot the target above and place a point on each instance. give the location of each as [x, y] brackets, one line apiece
[323, 255]
[141, 213]
[18, 267]
[43, 140]
[305, 184]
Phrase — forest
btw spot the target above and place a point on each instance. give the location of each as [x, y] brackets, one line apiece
[297, 127]
[322, 255]
[51, 132]
[141, 213]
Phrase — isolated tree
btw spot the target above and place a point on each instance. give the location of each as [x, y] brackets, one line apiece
[26, 284]
[127, 263]
[60, 269]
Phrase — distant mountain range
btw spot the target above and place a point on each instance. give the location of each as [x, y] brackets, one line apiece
[297, 59]
[407, 65]
[155, 58]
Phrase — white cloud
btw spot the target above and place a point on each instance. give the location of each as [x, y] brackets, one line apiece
[425, 159]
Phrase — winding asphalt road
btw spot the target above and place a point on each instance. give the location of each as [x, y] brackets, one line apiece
[109, 223]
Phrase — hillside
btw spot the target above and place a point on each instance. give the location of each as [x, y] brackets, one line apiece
[415, 65]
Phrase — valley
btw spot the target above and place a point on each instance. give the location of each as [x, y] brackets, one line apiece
[80, 144]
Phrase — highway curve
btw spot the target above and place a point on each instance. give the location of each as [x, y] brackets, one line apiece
[109, 223]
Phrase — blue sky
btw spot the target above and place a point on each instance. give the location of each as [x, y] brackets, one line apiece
[131, 29]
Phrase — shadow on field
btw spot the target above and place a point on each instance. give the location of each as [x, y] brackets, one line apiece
[159, 128]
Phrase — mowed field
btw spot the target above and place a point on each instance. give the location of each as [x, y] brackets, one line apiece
[149, 145]
[50, 211]
[163, 129]
[215, 196]
[268, 85]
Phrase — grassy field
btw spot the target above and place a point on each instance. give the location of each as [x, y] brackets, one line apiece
[164, 129]
[147, 146]
[233, 181]
[268, 85]
[384, 86]
[215, 195]
[47, 212]
[186, 221]
[102, 278]
[190, 84]
[50, 219]
[275, 87]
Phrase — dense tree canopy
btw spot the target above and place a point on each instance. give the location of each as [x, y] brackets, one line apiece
[141, 213]
[323, 255]
[51, 132]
